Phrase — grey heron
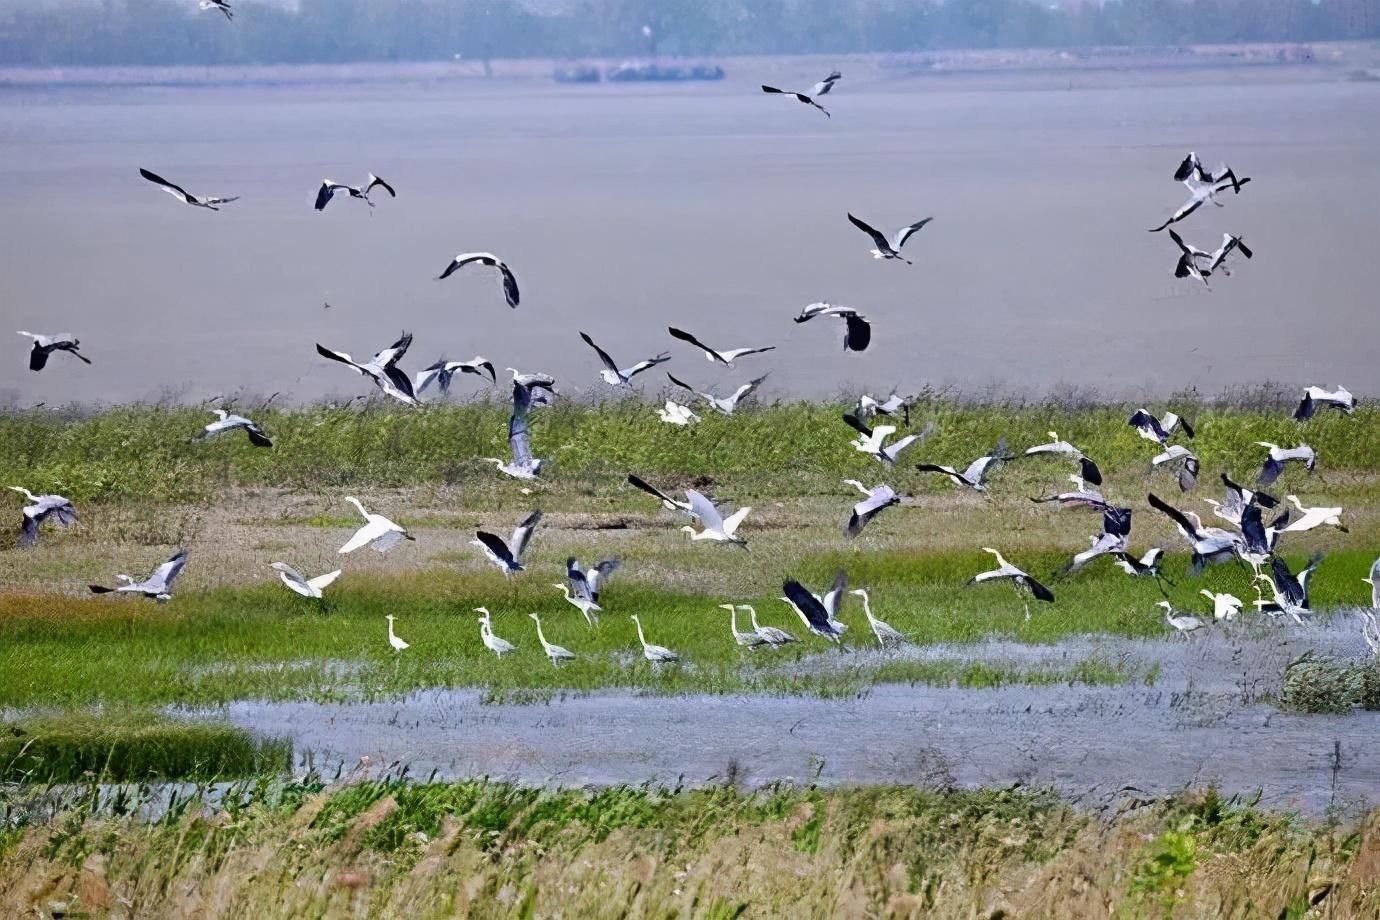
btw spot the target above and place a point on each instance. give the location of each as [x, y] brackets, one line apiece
[857, 331]
[225, 421]
[45, 345]
[1202, 192]
[878, 499]
[493, 643]
[595, 576]
[41, 508]
[157, 586]
[329, 187]
[1148, 564]
[301, 584]
[1115, 537]
[382, 368]
[507, 556]
[886, 635]
[656, 654]
[1315, 398]
[1373, 579]
[1278, 456]
[222, 5]
[975, 476]
[1184, 623]
[774, 636]
[872, 440]
[442, 371]
[667, 502]
[1159, 430]
[811, 610]
[725, 357]
[821, 88]
[522, 464]
[178, 192]
[1290, 590]
[726, 405]
[1086, 467]
[1021, 580]
[1210, 544]
[888, 249]
[510, 285]
[555, 653]
[744, 639]
[378, 532]
[1182, 460]
[616, 377]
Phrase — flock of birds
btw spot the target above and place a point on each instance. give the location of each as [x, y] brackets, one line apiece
[1248, 539]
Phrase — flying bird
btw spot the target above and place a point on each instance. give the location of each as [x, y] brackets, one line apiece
[442, 371]
[508, 556]
[1313, 517]
[510, 285]
[1021, 580]
[330, 187]
[1184, 461]
[1224, 606]
[595, 576]
[301, 584]
[1290, 590]
[676, 414]
[1210, 544]
[726, 405]
[888, 249]
[975, 476]
[1149, 564]
[1087, 468]
[228, 422]
[1217, 259]
[1081, 497]
[1236, 499]
[878, 499]
[713, 525]
[656, 654]
[726, 358]
[857, 331]
[378, 532]
[382, 368]
[45, 345]
[667, 502]
[210, 204]
[578, 592]
[872, 441]
[1159, 430]
[1314, 398]
[868, 406]
[522, 465]
[1202, 192]
[1116, 530]
[821, 88]
[811, 610]
[41, 508]
[222, 5]
[1279, 456]
[157, 586]
[1187, 266]
[615, 377]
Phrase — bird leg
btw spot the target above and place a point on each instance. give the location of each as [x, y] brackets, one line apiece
[1027, 610]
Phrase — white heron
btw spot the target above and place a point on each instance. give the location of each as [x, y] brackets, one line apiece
[886, 635]
[1021, 580]
[667, 502]
[301, 584]
[975, 476]
[773, 636]
[811, 610]
[1224, 606]
[654, 653]
[745, 639]
[382, 368]
[1315, 398]
[210, 204]
[226, 421]
[611, 373]
[872, 440]
[45, 345]
[157, 586]
[1183, 461]
[1314, 517]
[393, 638]
[1087, 468]
[726, 357]
[1184, 623]
[510, 285]
[41, 508]
[1279, 456]
[555, 653]
[522, 465]
[1159, 430]
[1373, 579]
[888, 249]
[329, 187]
[878, 499]
[378, 532]
[857, 331]
[726, 405]
[676, 414]
[821, 88]
[442, 371]
[507, 556]
[713, 525]
[499, 647]
[222, 5]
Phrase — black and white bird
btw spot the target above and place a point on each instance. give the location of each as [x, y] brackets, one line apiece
[1260, 539]
[821, 88]
[579, 592]
[727, 405]
[329, 187]
[975, 476]
[222, 5]
[1115, 537]
[1159, 430]
[382, 368]
[1210, 544]
[595, 576]
[226, 421]
[1021, 580]
[1236, 499]
[510, 285]
[1183, 461]
[157, 586]
[878, 499]
[811, 610]
[1187, 266]
[41, 508]
[177, 191]
[857, 331]
[1087, 468]
[442, 371]
[301, 584]
[1149, 564]
[1192, 168]
[1290, 590]
[1081, 497]
[872, 440]
[377, 532]
[616, 377]
[726, 357]
[1202, 191]
[522, 465]
[713, 525]
[868, 406]
[888, 249]
[1314, 398]
[667, 502]
[1217, 259]
[507, 556]
[1278, 456]
[45, 345]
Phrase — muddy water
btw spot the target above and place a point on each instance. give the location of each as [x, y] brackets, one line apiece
[1203, 722]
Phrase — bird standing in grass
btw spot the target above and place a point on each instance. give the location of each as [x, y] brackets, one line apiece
[393, 639]
[556, 653]
[773, 635]
[886, 635]
[744, 639]
[656, 654]
[1184, 623]
[499, 647]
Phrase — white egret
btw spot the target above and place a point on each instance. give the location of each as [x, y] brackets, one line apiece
[378, 532]
[393, 639]
[1314, 517]
[714, 526]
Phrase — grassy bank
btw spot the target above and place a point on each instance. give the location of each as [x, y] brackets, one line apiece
[488, 849]
[146, 453]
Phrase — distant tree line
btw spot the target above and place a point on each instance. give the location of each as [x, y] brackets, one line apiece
[175, 32]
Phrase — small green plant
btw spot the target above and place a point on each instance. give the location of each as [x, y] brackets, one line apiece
[1173, 857]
